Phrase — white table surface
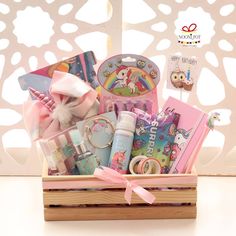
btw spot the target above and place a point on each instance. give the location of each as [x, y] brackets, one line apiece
[21, 213]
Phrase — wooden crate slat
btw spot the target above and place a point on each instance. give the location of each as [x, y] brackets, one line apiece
[76, 184]
[113, 197]
[94, 205]
[90, 179]
[128, 176]
[120, 213]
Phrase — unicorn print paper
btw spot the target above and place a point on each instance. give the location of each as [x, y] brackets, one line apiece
[192, 124]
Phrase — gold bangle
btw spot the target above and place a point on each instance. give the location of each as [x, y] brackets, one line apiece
[89, 133]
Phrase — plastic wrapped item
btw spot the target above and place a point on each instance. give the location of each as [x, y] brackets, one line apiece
[128, 81]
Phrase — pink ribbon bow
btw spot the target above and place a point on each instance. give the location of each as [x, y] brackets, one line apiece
[111, 176]
[73, 98]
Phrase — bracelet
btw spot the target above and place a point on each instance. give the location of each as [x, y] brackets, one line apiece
[88, 130]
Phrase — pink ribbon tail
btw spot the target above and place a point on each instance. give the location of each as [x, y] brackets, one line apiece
[111, 176]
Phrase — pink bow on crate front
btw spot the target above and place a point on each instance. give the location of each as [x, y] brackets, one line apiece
[71, 100]
[111, 176]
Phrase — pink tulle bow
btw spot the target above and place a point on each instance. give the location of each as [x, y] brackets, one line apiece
[111, 176]
[74, 100]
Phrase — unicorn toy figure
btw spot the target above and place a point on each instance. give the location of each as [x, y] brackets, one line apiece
[212, 119]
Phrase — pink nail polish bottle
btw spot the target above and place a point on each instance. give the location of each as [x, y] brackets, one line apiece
[130, 106]
[148, 104]
[139, 105]
[119, 105]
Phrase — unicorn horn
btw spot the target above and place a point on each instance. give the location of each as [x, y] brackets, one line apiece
[45, 100]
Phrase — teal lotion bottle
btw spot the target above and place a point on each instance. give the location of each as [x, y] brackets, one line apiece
[69, 153]
[57, 157]
[85, 160]
[123, 142]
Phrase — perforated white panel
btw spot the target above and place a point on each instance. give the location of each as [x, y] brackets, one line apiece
[33, 34]
[153, 25]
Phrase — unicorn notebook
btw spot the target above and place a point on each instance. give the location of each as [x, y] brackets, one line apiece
[190, 133]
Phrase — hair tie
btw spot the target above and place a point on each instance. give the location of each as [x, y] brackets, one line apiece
[88, 130]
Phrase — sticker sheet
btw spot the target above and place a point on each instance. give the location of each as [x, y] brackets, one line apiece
[128, 81]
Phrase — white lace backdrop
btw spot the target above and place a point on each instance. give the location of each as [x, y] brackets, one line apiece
[34, 34]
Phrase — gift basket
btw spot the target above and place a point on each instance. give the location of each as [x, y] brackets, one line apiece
[109, 152]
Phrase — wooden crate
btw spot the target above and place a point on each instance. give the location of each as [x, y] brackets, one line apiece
[88, 198]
